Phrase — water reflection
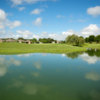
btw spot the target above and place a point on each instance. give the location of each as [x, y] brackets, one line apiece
[35, 74]
[90, 56]
[37, 65]
[92, 95]
[94, 76]
[5, 63]
[90, 53]
[89, 59]
[74, 54]
[50, 76]
[93, 52]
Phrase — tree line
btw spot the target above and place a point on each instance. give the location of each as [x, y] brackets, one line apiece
[76, 40]
[42, 40]
[71, 39]
[93, 38]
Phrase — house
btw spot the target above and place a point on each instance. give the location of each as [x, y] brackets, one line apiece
[25, 41]
[28, 41]
[58, 42]
[1, 40]
[40, 43]
[20, 41]
[10, 40]
[53, 42]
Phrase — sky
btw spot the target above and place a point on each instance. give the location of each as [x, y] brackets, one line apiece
[49, 18]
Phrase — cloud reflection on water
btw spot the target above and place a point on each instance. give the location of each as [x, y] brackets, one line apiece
[5, 63]
[89, 59]
[93, 76]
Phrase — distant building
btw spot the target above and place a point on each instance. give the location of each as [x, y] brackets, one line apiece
[1, 40]
[28, 41]
[10, 40]
[40, 43]
[25, 41]
[20, 41]
[53, 42]
[58, 42]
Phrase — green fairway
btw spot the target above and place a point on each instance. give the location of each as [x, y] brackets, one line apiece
[16, 48]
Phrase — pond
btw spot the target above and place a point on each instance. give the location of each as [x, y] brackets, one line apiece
[40, 76]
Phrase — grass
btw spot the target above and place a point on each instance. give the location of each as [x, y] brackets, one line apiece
[16, 48]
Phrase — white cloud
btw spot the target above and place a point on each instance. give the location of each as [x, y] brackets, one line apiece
[14, 24]
[17, 2]
[60, 36]
[92, 29]
[94, 11]
[20, 2]
[2, 31]
[4, 22]
[25, 34]
[21, 8]
[60, 16]
[1, 26]
[69, 32]
[2, 18]
[38, 22]
[36, 11]
[2, 15]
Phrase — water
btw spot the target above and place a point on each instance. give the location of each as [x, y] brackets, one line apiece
[74, 76]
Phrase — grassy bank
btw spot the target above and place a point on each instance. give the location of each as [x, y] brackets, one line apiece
[16, 48]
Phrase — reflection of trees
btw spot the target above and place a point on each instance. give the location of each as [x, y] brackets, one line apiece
[93, 52]
[74, 54]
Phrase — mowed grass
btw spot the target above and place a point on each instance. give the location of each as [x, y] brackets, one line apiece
[17, 48]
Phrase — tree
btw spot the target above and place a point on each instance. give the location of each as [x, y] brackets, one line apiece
[87, 39]
[91, 38]
[97, 38]
[46, 40]
[75, 40]
[34, 40]
[81, 41]
[20, 38]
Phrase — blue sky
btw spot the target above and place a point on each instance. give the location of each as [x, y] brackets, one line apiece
[49, 18]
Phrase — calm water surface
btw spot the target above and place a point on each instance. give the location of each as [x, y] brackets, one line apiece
[74, 76]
